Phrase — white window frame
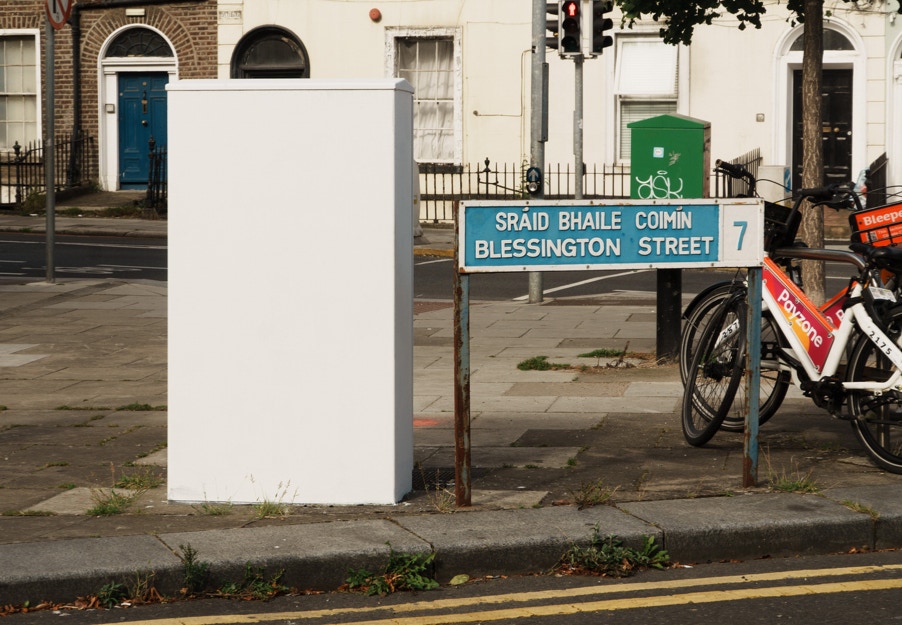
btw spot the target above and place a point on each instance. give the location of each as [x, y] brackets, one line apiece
[680, 98]
[39, 96]
[392, 35]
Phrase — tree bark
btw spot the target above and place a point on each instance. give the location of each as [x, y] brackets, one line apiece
[812, 230]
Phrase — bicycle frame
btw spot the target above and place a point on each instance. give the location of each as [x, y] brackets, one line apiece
[816, 342]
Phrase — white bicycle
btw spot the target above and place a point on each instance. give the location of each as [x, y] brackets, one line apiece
[811, 350]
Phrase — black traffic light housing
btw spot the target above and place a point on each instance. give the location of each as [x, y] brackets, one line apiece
[570, 32]
[601, 24]
[552, 39]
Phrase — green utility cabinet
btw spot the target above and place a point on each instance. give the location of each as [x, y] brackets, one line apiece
[671, 157]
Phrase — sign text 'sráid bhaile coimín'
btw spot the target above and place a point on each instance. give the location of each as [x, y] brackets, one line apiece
[541, 235]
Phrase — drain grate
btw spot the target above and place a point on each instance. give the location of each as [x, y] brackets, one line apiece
[430, 478]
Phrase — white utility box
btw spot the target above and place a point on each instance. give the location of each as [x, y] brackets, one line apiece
[290, 291]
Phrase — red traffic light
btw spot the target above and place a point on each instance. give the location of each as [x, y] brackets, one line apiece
[571, 9]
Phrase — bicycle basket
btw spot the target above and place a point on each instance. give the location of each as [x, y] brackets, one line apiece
[878, 226]
[780, 225]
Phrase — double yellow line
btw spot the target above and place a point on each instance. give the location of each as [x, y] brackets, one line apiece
[430, 611]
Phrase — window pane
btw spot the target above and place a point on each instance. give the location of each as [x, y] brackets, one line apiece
[427, 64]
[407, 54]
[647, 67]
[18, 104]
[14, 80]
[635, 111]
[14, 51]
[31, 109]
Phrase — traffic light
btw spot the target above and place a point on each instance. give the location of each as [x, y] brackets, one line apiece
[570, 31]
[600, 25]
[552, 25]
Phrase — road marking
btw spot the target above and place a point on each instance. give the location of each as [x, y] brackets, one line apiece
[440, 260]
[667, 598]
[582, 282]
[78, 244]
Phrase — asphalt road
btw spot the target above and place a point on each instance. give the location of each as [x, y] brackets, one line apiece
[433, 278]
[129, 258]
[852, 589]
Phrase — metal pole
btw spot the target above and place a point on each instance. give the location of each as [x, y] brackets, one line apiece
[462, 477]
[538, 102]
[49, 165]
[753, 380]
[578, 124]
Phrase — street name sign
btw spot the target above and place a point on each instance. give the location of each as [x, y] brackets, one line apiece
[541, 235]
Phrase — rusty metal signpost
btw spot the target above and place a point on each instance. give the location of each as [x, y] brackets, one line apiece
[58, 12]
[540, 235]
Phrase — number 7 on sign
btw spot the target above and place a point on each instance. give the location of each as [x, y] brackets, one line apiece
[742, 225]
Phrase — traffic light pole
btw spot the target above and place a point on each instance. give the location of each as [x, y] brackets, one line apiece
[578, 124]
[537, 106]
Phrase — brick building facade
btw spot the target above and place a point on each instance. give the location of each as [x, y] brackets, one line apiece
[112, 62]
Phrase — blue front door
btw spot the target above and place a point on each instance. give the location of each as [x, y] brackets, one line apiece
[142, 115]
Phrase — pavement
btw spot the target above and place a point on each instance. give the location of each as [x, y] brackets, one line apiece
[555, 454]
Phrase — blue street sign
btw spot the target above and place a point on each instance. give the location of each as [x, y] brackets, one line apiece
[541, 235]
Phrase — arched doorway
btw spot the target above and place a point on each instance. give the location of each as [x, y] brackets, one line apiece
[843, 127]
[270, 52]
[136, 65]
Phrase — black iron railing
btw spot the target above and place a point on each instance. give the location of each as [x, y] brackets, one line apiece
[157, 182]
[22, 168]
[442, 186]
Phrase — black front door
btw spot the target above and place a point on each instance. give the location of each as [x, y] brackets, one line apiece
[836, 126]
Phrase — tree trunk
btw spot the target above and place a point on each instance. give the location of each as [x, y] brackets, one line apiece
[812, 231]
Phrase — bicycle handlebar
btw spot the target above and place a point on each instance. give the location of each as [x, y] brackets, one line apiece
[819, 194]
[736, 171]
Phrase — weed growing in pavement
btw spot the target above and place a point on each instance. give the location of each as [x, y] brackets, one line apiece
[67, 407]
[598, 354]
[142, 588]
[540, 363]
[608, 557]
[216, 509]
[593, 493]
[276, 507]
[110, 502]
[440, 497]
[196, 573]
[857, 507]
[28, 513]
[112, 594]
[136, 407]
[793, 481]
[402, 572]
[145, 479]
[254, 586]
[87, 424]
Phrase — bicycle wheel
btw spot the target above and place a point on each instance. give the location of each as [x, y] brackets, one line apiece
[718, 367]
[877, 417]
[773, 382]
[696, 320]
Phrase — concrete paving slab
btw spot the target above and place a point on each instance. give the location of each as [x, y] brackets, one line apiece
[882, 503]
[302, 551]
[490, 543]
[754, 526]
[63, 570]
